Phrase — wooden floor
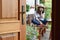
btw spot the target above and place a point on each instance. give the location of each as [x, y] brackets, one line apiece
[46, 35]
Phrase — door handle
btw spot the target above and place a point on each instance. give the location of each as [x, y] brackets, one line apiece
[23, 11]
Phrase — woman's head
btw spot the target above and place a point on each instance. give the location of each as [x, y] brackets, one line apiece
[40, 9]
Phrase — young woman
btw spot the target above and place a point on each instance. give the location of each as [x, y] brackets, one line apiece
[39, 18]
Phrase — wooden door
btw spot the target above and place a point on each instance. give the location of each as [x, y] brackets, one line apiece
[23, 19]
[12, 12]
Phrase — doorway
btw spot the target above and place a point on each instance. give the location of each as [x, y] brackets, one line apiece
[31, 7]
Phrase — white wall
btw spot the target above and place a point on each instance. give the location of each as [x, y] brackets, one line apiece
[31, 3]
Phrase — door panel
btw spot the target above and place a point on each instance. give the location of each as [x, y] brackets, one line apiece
[9, 36]
[9, 8]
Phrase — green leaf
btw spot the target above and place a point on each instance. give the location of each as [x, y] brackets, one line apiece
[27, 7]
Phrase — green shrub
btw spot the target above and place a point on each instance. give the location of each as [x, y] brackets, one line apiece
[48, 13]
[42, 1]
[30, 32]
[27, 7]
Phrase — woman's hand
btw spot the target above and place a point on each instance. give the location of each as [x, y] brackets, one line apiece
[41, 25]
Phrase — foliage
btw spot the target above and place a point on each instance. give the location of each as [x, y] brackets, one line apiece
[27, 7]
[48, 13]
[31, 32]
[48, 3]
[41, 1]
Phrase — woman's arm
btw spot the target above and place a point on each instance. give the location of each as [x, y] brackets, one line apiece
[39, 20]
[36, 16]
[43, 15]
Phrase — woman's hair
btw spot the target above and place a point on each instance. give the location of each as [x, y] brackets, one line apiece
[38, 10]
